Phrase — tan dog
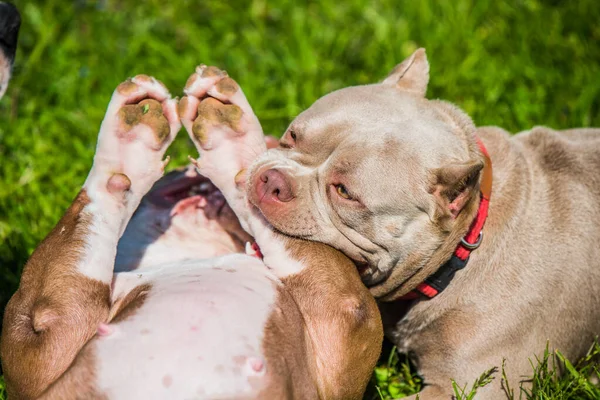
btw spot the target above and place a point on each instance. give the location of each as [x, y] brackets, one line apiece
[180, 315]
[394, 181]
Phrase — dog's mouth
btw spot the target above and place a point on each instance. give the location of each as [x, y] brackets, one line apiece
[185, 192]
[179, 185]
[192, 205]
[188, 215]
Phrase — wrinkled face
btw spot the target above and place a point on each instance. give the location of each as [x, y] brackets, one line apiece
[183, 216]
[10, 21]
[354, 171]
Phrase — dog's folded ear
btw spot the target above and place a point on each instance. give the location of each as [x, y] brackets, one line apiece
[412, 75]
[454, 187]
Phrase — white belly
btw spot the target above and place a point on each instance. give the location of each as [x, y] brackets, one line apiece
[198, 334]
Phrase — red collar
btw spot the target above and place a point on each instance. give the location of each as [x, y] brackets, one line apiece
[438, 281]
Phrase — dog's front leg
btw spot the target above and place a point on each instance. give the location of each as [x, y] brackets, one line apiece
[226, 132]
[64, 294]
[228, 136]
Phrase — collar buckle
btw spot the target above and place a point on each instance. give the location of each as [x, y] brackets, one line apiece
[472, 246]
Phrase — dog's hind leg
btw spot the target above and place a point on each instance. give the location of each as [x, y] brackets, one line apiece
[64, 294]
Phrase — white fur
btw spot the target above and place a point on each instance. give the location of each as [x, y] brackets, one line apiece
[275, 254]
[196, 305]
[135, 153]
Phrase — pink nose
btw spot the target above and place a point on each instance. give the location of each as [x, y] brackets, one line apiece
[272, 185]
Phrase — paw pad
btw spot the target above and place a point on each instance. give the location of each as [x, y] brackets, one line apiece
[211, 71]
[118, 183]
[143, 79]
[148, 112]
[227, 86]
[212, 112]
[127, 88]
[182, 105]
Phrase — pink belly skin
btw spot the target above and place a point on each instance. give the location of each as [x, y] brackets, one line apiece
[198, 334]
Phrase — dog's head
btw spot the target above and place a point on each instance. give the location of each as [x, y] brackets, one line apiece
[377, 171]
[10, 21]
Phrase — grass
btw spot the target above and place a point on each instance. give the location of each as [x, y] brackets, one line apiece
[514, 64]
[394, 379]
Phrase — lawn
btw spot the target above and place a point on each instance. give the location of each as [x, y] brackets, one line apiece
[513, 64]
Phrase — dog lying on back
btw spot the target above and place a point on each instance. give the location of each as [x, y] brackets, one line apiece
[402, 185]
[183, 313]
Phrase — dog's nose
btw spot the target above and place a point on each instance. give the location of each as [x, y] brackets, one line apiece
[273, 185]
[10, 21]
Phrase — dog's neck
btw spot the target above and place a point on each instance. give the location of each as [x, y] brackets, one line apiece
[453, 254]
[442, 254]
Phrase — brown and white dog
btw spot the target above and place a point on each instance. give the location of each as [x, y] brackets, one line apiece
[183, 313]
[395, 181]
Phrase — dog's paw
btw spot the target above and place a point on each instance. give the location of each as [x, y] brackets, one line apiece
[221, 124]
[141, 122]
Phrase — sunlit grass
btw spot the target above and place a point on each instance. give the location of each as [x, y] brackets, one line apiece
[514, 64]
[394, 379]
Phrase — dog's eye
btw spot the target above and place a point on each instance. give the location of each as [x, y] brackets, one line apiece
[288, 141]
[343, 192]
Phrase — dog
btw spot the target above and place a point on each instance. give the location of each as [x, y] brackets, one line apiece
[10, 21]
[408, 188]
[175, 309]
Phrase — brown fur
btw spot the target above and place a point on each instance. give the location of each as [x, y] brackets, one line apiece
[57, 309]
[340, 317]
[54, 308]
[78, 382]
[128, 305]
[286, 347]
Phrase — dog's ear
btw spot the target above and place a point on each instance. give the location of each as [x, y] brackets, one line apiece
[454, 186]
[412, 75]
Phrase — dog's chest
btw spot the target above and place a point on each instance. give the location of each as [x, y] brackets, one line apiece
[197, 334]
[409, 325]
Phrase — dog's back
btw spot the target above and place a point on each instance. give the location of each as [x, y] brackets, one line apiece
[546, 211]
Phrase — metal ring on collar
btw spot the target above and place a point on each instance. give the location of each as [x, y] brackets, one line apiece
[472, 246]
